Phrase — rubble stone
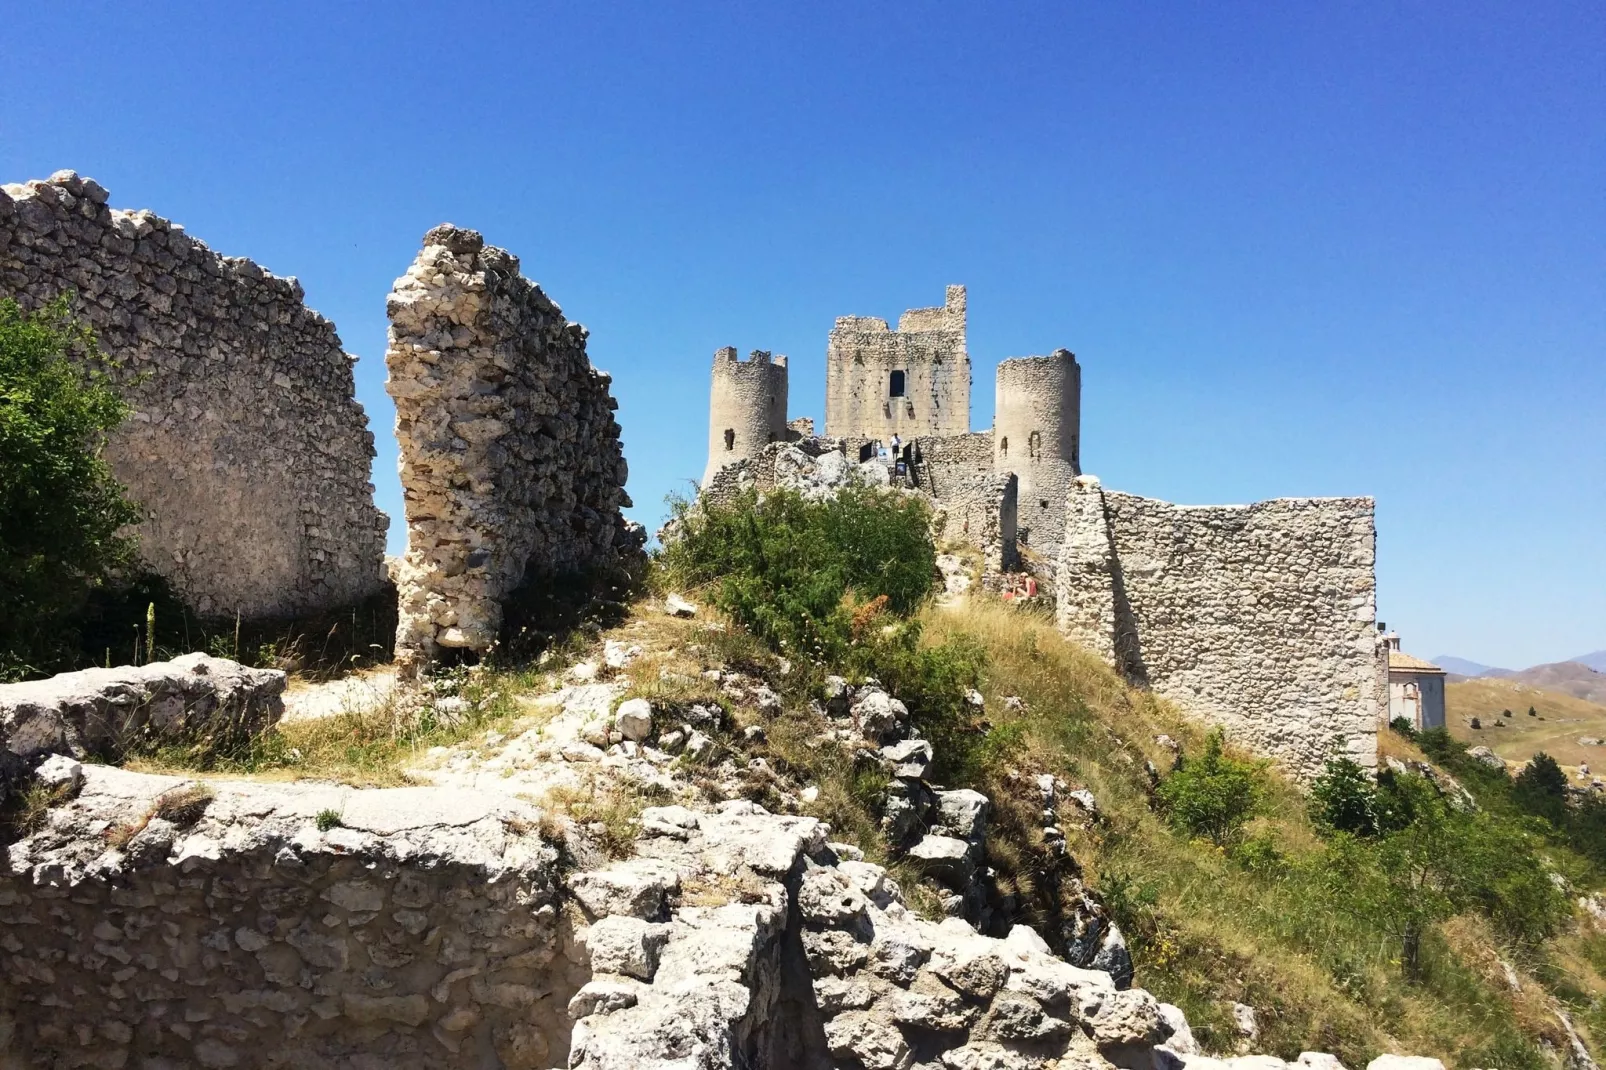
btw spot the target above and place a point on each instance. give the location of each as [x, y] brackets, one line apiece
[510, 456]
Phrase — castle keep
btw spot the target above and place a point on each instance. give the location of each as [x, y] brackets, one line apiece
[908, 382]
[1255, 617]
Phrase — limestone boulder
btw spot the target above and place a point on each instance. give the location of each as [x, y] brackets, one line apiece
[103, 713]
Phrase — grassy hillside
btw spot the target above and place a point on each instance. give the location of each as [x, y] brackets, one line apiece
[808, 590]
[1560, 721]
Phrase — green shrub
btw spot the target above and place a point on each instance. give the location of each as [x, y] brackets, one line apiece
[1439, 862]
[1213, 796]
[1541, 789]
[1344, 799]
[806, 576]
[62, 512]
[1402, 726]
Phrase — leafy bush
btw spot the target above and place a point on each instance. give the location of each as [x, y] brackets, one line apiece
[1437, 863]
[796, 572]
[62, 512]
[1541, 789]
[1344, 799]
[1213, 796]
[1402, 726]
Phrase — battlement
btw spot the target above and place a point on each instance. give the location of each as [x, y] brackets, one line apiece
[726, 356]
[746, 406]
[949, 317]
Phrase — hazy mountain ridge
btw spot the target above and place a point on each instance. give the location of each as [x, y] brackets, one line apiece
[1581, 677]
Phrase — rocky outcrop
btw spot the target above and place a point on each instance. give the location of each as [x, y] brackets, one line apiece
[106, 712]
[246, 448]
[510, 457]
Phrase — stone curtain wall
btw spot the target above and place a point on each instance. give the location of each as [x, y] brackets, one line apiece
[510, 455]
[928, 347]
[1035, 435]
[422, 931]
[247, 449]
[1256, 617]
[746, 408]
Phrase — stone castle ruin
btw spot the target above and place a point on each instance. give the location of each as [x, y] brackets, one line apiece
[510, 455]
[1256, 617]
[914, 383]
[246, 448]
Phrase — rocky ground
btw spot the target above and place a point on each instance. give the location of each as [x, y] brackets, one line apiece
[620, 876]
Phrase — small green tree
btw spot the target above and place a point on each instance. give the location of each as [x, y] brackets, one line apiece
[62, 512]
[1344, 799]
[797, 572]
[1439, 862]
[1214, 795]
[1541, 789]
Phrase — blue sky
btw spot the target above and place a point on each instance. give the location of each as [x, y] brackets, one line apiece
[1298, 252]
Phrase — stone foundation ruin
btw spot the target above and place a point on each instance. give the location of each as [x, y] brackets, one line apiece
[1255, 617]
[510, 455]
[246, 449]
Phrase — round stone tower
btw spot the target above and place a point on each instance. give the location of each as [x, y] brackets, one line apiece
[1036, 435]
[746, 408]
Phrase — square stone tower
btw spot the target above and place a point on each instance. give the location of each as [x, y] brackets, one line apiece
[912, 381]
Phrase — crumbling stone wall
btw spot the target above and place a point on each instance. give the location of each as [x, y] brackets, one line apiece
[246, 449]
[422, 930]
[510, 455]
[1256, 617]
[974, 503]
[927, 351]
[746, 408]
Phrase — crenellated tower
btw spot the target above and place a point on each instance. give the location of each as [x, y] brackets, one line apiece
[746, 407]
[1036, 435]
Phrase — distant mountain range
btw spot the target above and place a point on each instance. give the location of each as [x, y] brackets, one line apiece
[1582, 677]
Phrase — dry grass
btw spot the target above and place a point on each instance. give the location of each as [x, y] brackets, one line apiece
[1207, 930]
[1559, 721]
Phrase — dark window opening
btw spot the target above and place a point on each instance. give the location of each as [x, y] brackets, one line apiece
[730, 439]
[897, 385]
[1003, 447]
[1042, 503]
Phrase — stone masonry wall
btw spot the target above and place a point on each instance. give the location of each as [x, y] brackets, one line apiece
[1256, 617]
[510, 455]
[928, 347]
[977, 505]
[423, 930]
[246, 448]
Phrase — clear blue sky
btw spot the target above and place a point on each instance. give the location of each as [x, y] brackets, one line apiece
[1359, 251]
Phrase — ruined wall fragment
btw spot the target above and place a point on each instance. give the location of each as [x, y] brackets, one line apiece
[1255, 617]
[510, 455]
[246, 448]
[422, 930]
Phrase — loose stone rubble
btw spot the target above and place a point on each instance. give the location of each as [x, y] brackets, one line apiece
[246, 449]
[102, 712]
[510, 459]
